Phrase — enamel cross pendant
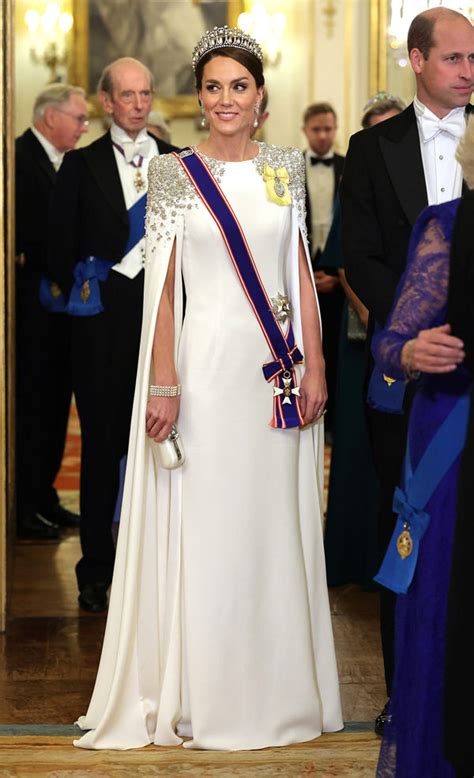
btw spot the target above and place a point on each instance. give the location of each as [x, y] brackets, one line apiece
[287, 391]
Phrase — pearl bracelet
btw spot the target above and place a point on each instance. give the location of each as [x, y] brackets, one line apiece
[165, 391]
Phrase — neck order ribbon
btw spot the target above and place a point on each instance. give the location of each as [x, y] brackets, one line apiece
[285, 352]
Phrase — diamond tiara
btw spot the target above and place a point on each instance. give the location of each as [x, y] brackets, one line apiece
[225, 36]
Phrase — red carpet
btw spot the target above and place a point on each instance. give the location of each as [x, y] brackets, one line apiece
[68, 476]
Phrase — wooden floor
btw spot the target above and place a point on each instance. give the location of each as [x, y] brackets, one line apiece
[345, 755]
[49, 658]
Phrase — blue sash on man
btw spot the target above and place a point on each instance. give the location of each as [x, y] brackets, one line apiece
[85, 294]
[281, 370]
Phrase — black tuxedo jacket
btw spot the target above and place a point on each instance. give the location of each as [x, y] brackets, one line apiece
[34, 181]
[382, 193]
[88, 216]
[338, 168]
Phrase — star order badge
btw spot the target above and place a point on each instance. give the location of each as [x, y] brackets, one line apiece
[281, 307]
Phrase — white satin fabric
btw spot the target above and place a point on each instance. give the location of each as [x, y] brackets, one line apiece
[219, 625]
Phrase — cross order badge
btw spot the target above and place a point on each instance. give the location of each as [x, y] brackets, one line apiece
[287, 391]
[139, 181]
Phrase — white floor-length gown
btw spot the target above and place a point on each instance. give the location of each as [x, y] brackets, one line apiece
[219, 626]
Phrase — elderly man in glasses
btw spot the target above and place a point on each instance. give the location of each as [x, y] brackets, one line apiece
[43, 330]
[97, 258]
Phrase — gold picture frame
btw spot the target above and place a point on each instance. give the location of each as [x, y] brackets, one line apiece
[378, 46]
[172, 107]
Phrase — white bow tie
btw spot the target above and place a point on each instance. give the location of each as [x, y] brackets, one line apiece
[454, 125]
[132, 149]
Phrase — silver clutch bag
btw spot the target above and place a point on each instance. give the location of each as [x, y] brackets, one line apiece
[170, 453]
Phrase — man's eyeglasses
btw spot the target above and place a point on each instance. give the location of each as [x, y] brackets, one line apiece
[82, 120]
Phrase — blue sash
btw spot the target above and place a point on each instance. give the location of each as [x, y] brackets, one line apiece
[51, 297]
[398, 566]
[136, 220]
[385, 393]
[85, 295]
[281, 370]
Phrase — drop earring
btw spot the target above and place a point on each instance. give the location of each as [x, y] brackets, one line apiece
[257, 110]
[203, 118]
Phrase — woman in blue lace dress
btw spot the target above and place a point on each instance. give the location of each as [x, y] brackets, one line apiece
[416, 343]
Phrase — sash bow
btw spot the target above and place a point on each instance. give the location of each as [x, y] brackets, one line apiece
[85, 295]
[416, 518]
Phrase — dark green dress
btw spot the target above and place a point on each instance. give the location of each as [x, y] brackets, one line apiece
[351, 530]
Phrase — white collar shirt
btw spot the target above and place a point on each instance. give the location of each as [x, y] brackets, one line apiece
[438, 142]
[320, 182]
[146, 147]
[55, 157]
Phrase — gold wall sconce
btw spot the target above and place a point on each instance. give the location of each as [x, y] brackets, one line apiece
[48, 26]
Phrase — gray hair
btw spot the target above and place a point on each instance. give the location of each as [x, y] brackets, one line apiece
[465, 154]
[55, 95]
[106, 81]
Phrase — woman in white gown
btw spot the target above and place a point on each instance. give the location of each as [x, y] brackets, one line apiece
[219, 629]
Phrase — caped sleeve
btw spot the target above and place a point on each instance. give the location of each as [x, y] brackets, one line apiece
[296, 164]
[293, 160]
[170, 193]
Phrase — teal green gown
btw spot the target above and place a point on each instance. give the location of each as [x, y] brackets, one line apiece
[351, 527]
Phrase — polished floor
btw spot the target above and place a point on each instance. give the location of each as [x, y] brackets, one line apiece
[346, 755]
[49, 657]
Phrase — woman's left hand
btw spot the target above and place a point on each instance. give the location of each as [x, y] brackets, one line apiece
[313, 393]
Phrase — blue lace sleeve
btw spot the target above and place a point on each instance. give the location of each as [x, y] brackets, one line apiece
[420, 302]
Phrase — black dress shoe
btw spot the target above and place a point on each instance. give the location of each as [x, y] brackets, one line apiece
[382, 719]
[93, 597]
[61, 516]
[33, 526]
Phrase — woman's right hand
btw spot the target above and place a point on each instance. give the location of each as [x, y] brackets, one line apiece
[161, 414]
[433, 351]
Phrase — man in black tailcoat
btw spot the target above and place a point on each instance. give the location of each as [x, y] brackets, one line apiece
[43, 390]
[392, 172]
[97, 211]
[323, 174]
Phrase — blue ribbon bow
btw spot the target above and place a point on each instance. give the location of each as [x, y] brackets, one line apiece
[396, 572]
[85, 295]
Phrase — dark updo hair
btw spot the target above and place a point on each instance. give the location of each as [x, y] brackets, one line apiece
[246, 58]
